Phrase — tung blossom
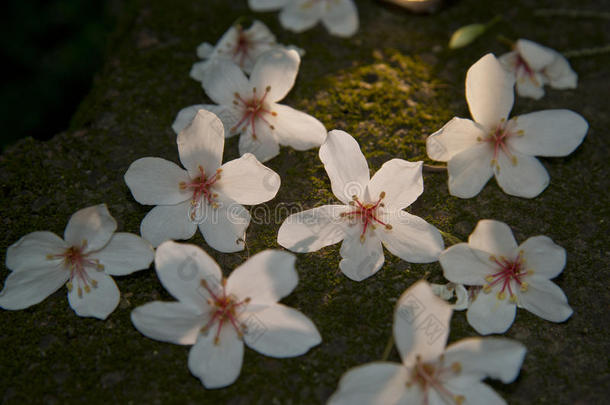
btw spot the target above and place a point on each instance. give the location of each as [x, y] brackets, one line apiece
[207, 194]
[340, 17]
[430, 373]
[250, 106]
[373, 212]
[511, 276]
[84, 260]
[219, 315]
[534, 65]
[493, 144]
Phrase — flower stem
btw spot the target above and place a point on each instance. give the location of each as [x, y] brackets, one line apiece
[506, 41]
[388, 348]
[434, 168]
[451, 238]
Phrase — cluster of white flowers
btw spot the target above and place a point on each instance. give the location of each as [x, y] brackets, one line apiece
[490, 275]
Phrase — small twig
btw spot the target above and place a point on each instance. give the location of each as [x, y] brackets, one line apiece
[571, 13]
[506, 41]
[587, 51]
[434, 168]
[388, 348]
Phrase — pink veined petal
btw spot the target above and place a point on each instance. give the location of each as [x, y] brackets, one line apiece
[494, 238]
[470, 170]
[411, 238]
[99, 301]
[224, 227]
[181, 269]
[165, 222]
[360, 259]
[311, 230]
[345, 165]
[528, 178]
[154, 181]
[340, 18]
[275, 70]
[222, 80]
[217, 365]
[487, 314]
[297, 129]
[33, 284]
[280, 331]
[248, 181]
[265, 146]
[461, 265]
[267, 5]
[201, 144]
[545, 299]
[543, 256]
[226, 115]
[421, 324]
[400, 180]
[487, 357]
[549, 133]
[536, 55]
[489, 91]
[172, 322]
[265, 278]
[376, 383]
[301, 15]
[124, 254]
[93, 224]
[32, 249]
[454, 137]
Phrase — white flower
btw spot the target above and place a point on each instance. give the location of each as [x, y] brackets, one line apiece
[511, 276]
[430, 373]
[452, 290]
[534, 65]
[208, 193]
[84, 260]
[217, 315]
[242, 46]
[340, 17]
[372, 214]
[492, 145]
[249, 106]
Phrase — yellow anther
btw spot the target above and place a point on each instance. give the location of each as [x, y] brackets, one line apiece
[520, 132]
[459, 399]
[214, 195]
[501, 295]
[503, 258]
[355, 197]
[87, 289]
[524, 286]
[530, 272]
[513, 159]
[216, 340]
[236, 94]
[182, 185]
[479, 139]
[382, 194]
[486, 288]
[193, 203]
[388, 227]
[272, 127]
[268, 88]
[513, 298]
[362, 238]
[456, 367]
[218, 177]
[492, 258]
[493, 162]
[204, 283]
[248, 299]
[254, 89]
[223, 281]
[235, 102]
[503, 119]
[94, 283]
[214, 205]
[69, 286]
[489, 278]
[84, 244]
[274, 113]
[99, 266]
[80, 292]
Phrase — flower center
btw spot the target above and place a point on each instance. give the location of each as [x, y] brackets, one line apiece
[202, 189]
[76, 262]
[524, 70]
[367, 213]
[508, 272]
[253, 109]
[224, 309]
[497, 139]
[431, 375]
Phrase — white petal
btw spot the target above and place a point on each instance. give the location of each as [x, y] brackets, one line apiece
[489, 91]
[411, 238]
[470, 170]
[421, 324]
[198, 71]
[165, 222]
[311, 230]
[248, 181]
[487, 314]
[224, 227]
[545, 299]
[222, 80]
[509, 61]
[265, 146]
[361, 259]
[280, 331]
[560, 75]
[341, 18]
[345, 165]
[93, 224]
[401, 181]
[493, 237]
[487, 357]
[275, 70]
[374, 383]
[124, 254]
[267, 5]
[530, 86]
[33, 284]
[217, 365]
[201, 144]
[100, 301]
[265, 278]
[301, 15]
[296, 129]
[463, 300]
[461, 265]
[204, 50]
[226, 115]
[543, 256]
[172, 322]
[32, 249]
[154, 181]
[528, 178]
[181, 268]
[536, 55]
[454, 137]
[475, 393]
[549, 133]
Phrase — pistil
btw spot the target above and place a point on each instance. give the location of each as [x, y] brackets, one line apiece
[508, 272]
[367, 214]
[252, 110]
[224, 310]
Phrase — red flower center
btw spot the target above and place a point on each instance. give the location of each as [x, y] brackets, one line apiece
[253, 109]
[367, 214]
[497, 139]
[509, 271]
[429, 375]
[202, 189]
[76, 262]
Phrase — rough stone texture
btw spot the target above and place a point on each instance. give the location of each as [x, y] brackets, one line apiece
[390, 86]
